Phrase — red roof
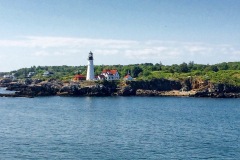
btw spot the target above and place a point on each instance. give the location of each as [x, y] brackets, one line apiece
[128, 76]
[113, 71]
[79, 77]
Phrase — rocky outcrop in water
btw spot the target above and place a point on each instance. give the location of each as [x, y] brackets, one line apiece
[33, 88]
[219, 91]
[154, 87]
[187, 87]
[155, 84]
[126, 91]
[76, 90]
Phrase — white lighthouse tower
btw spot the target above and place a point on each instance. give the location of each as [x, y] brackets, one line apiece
[90, 68]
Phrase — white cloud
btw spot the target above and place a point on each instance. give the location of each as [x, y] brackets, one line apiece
[107, 51]
[48, 53]
[122, 51]
[41, 53]
[46, 42]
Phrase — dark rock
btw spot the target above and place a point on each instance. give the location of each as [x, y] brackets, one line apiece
[154, 87]
[98, 90]
[15, 86]
[43, 89]
[28, 81]
[186, 85]
[36, 81]
[5, 81]
[219, 88]
[127, 91]
[155, 84]
[141, 92]
[94, 90]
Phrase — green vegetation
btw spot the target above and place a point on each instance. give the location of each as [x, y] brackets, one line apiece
[220, 73]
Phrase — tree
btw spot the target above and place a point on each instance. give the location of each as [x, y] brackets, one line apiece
[214, 68]
[223, 66]
[191, 65]
[146, 73]
[183, 67]
[135, 71]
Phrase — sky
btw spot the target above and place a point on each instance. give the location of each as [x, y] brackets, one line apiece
[63, 32]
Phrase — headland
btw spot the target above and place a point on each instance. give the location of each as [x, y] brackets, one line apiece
[193, 80]
[155, 87]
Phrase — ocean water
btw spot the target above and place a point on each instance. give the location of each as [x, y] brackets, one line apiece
[4, 91]
[119, 128]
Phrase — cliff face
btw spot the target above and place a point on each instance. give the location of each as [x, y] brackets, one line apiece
[155, 84]
[133, 87]
[219, 90]
[76, 90]
[154, 87]
[187, 87]
[224, 88]
[30, 88]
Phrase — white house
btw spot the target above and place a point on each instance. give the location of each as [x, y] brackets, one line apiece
[47, 73]
[109, 75]
[30, 74]
[10, 76]
[100, 77]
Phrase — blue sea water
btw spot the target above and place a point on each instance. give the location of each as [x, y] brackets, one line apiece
[4, 91]
[119, 128]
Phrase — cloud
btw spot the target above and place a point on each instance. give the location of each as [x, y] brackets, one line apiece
[41, 53]
[47, 42]
[107, 52]
[136, 51]
[47, 53]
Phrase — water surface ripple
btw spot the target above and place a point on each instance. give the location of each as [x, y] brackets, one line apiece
[119, 128]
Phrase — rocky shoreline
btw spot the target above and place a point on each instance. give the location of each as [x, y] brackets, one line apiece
[156, 87]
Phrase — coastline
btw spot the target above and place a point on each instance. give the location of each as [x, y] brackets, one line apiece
[157, 87]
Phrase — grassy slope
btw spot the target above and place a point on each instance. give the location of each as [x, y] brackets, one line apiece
[224, 76]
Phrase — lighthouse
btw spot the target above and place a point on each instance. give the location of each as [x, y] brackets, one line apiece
[90, 67]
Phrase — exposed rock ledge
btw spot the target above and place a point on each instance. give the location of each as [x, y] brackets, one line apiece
[141, 92]
[155, 87]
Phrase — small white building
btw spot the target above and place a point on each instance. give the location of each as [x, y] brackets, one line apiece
[7, 76]
[47, 73]
[30, 74]
[100, 77]
[10, 76]
[109, 75]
